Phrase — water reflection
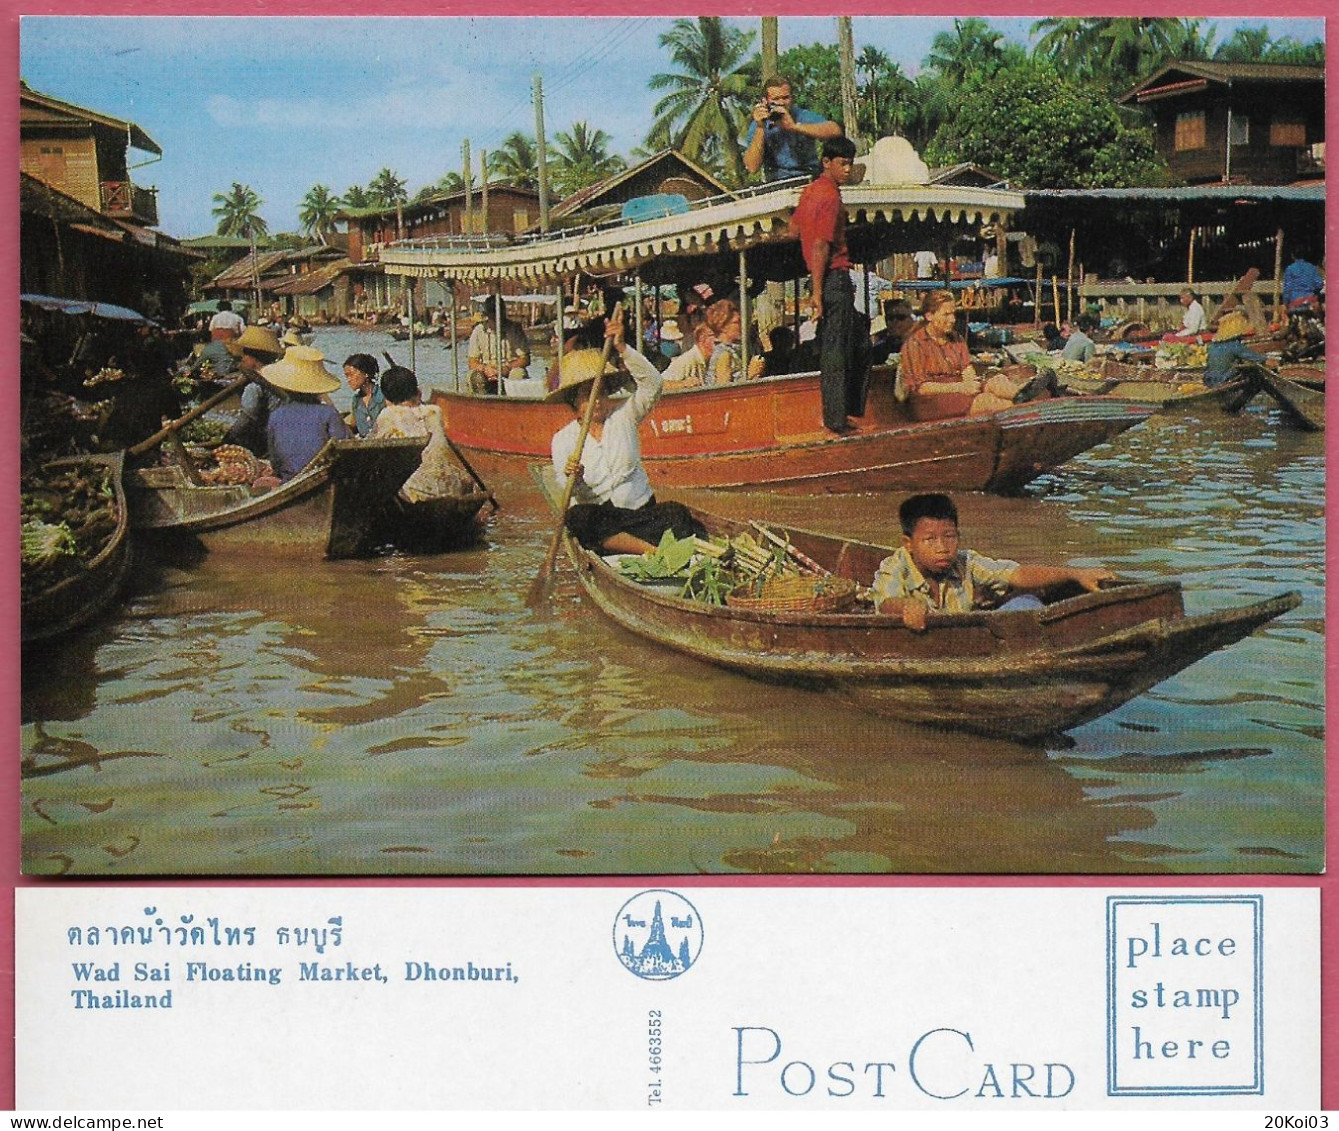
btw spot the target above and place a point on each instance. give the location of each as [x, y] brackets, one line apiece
[411, 715]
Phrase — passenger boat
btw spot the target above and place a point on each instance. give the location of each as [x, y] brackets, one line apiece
[1019, 674]
[333, 507]
[76, 600]
[769, 434]
[766, 433]
[1304, 405]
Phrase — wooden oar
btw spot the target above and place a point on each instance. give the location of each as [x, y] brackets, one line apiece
[455, 451]
[539, 588]
[203, 407]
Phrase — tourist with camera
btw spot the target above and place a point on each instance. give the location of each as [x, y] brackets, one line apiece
[782, 137]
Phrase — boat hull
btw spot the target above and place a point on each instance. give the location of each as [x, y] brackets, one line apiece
[334, 508]
[770, 434]
[80, 599]
[1019, 675]
[1305, 406]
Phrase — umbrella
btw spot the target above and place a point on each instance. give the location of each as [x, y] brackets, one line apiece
[79, 306]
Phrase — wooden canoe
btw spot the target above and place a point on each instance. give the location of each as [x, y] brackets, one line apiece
[1304, 406]
[1019, 675]
[433, 524]
[77, 600]
[334, 507]
[1165, 388]
[769, 434]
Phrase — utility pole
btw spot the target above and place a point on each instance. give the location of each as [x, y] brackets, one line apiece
[846, 52]
[541, 155]
[469, 187]
[483, 190]
[770, 45]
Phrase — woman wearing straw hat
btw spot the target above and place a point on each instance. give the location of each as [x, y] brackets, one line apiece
[615, 510]
[1227, 349]
[256, 348]
[299, 428]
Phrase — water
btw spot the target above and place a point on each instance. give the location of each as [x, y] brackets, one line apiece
[409, 715]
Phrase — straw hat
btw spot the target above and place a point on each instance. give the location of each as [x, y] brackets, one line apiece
[670, 331]
[1234, 324]
[580, 367]
[292, 338]
[301, 371]
[259, 339]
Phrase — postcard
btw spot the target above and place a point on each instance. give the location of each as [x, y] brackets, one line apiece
[625, 450]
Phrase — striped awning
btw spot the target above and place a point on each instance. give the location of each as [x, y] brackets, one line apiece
[735, 224]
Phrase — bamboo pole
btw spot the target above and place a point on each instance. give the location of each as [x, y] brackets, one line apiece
[1278, 276]
[1055, 296]
[1037, 297]
[455, 342]
[745, 314]
[1190, 259]
[497, 324]
[413, 355]
[1069, 281]
[638, 319]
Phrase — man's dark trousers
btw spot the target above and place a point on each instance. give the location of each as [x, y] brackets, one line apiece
[843, 351]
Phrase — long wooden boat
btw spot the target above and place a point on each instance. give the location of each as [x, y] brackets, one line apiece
[1305, 406]
[333, 507]
[769, 435]
[434, 524]
[79, 599]
[1019, 674]
[1175, 389]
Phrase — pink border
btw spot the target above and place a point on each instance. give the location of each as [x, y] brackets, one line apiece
[9, 698]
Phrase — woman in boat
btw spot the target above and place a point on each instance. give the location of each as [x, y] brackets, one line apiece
[360, 370]
[930, 573]
[257, 348]
[935, 362]
[727, 362]
[301, 427]
[614, 510]
[1227, 349]
[405, 415]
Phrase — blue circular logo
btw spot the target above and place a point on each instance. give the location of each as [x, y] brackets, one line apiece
[657, 934]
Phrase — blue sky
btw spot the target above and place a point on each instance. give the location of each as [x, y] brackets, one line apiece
[281, 104]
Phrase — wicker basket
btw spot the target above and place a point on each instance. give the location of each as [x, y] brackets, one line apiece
[797, 594]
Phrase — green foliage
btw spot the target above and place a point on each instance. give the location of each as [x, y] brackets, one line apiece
[237, 211]
[581, 158]
[669, 559]
[1253, 45]
[1029, 124]
[317, 211]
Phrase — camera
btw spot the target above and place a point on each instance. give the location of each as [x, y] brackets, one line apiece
[775, 110]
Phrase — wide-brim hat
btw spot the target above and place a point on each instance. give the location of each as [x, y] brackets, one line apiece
[292, 338]
[302, 370]
[580, 367]
[670, 331]
[258, 339]
[1232, 325]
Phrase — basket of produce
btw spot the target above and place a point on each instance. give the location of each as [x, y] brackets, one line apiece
[795, 594]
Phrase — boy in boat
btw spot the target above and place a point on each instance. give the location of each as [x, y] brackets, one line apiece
[931, 574]
[614, 510]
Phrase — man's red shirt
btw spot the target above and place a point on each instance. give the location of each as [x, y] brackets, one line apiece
[819, 215]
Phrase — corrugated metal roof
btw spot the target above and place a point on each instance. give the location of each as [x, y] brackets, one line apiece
[1298, 193]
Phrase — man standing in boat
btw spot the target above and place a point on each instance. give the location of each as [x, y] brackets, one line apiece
[931, 574]
[843, 341]
[488, 362]
[781, 139]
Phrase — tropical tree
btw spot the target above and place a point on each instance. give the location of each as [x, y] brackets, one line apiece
[872, 63]
[387, 191]
[1194, 39]
[1037, 128]
[582, 157]
[1116, 52]
[238, 212]
[355, 197]
[317, 211]
[516, 160]
[972, 50]
[1253, 45]
[448, 183]
[709, 97]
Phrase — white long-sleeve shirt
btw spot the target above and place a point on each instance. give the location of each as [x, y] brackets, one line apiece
[611, 466]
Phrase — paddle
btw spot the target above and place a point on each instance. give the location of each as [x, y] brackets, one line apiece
[455, 451]
[539, 588]
[203, 407]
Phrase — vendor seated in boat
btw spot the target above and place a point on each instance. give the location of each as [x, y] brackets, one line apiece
[614, 510]
[934, 362]
[406, 415]
[254, 350]
[300, 428]
[1227, 349]
[931, 574]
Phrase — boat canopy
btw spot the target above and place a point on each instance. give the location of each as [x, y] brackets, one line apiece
[880, 219]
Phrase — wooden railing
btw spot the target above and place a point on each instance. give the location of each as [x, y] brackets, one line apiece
[127, 200]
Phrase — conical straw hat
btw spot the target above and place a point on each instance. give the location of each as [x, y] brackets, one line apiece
[302, 370]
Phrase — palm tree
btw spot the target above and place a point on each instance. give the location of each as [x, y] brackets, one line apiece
[238, 215]
[317, 211]
[355, 197]
[1247, 45]
[582, 157]
[386, 189]
[710, 95]
[516, 160]
[1134, 48]
[1193, 40]
[872, 63]
[1070, 43]
[973, 47]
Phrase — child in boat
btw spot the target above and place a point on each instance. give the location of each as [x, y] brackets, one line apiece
[931, 574]
[614, 510]
[300, 428]
[404, 415]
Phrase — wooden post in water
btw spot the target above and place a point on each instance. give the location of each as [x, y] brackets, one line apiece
[455, 341]
[1037, 297]
[412, 354]
[497, 325]
[745, 313]
[1277, 316]
[637, 322]
[1069, 281]
[560, 328]
[1190, 259]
